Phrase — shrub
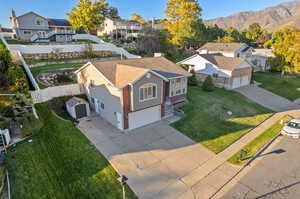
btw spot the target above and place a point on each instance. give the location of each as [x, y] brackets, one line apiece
[208, 84]
[4, 124]
[31, 126]
[62, 78]
[21, 86]
[5, 59]
[3, 80]
[192, 81]
[14, 72]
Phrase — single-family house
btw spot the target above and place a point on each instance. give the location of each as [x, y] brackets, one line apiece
[33, 27]
[226, 72]
[259, 59]
[134, 92]
[120, 28]
[239, 50]
[6, 32]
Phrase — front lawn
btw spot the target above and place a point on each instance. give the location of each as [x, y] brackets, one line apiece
[254, 146]
[288, 86]
[219, 118]
[60, 163]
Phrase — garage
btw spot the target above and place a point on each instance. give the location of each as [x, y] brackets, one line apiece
[144, 117]
[240, 81]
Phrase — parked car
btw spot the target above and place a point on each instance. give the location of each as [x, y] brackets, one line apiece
[292, 129]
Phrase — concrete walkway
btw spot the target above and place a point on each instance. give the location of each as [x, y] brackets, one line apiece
[267, 98]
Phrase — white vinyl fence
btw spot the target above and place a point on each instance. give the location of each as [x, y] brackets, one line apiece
[88, 37]
[47, 94]
[35, 49]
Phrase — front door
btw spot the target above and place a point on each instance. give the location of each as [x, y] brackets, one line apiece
[119, 120]
[97, 106]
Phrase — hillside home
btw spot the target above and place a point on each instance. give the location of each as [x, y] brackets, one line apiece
[6, 32]
[259, 59]
[239, 50]
[33, 27]
[120, 28]
[226, 72]
[135, 92]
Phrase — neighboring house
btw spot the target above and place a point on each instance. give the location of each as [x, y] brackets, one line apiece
[35, 28]
[120, 28]
[239, 50]
[259, 59]
[6, 32]
[226, 72]
[135, 92]
[156, 24]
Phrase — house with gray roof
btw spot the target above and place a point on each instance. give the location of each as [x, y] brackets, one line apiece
[36, 28]
[239, 50]
[226, 72]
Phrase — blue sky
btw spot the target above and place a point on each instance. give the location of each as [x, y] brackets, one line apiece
[146, 8]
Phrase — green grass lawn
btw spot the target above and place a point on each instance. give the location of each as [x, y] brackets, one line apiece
[207, 120]
[36, 70]
[60, 163]
[254, 146]
[288, 87]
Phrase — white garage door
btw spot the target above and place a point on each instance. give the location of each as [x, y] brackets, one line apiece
[144, 117]
[245, 80]
[236, 82]
[240, 81]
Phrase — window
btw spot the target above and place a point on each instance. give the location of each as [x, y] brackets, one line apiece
[102, 106]
[148, 92]
[215, 75]
[27, 32]
[178, 86]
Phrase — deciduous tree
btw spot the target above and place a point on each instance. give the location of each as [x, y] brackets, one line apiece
[182, 17]
[88, 14]
[138, 18]
[226, 39]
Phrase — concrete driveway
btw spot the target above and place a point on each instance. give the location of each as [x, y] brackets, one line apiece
[267, 98]
[275, 176]
[157, 159]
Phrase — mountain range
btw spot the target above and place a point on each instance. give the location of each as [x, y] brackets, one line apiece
[270, 18]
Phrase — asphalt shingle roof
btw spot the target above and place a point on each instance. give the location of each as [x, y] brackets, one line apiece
[224, 47]
[122, 72]
[222, 62]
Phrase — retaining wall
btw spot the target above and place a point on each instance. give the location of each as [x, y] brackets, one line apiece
[47, 94]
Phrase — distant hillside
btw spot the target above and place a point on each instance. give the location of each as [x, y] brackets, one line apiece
[271, 18]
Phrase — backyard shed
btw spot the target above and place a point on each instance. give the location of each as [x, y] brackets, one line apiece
[78, 108]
